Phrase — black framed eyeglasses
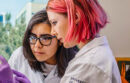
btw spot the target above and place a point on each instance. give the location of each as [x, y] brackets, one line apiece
[44, 40]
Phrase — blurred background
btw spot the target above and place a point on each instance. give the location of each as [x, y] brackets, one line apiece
[15, 15]
[118, 30]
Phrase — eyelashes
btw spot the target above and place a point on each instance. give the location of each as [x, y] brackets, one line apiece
[54, 23]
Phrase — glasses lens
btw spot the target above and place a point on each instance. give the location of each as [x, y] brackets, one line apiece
[46, 40]
[32, 39]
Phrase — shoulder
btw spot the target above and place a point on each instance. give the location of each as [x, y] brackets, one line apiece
[101, 54]
[96, 62]
[99, 58]
[85, 73]
[95, 56]
[18, 53]
[102, 57]
[19, 50]
[17, 58]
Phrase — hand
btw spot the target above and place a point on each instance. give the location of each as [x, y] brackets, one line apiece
[20, 78]
[6, 74]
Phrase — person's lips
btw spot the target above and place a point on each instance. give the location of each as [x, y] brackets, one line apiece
[40, 53]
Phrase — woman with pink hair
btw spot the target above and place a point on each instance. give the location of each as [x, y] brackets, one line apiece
[78, 22]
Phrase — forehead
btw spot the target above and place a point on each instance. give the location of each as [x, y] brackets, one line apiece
[40, 29]
[54, 15]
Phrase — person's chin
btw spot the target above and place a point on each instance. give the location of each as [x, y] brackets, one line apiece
[40, 59]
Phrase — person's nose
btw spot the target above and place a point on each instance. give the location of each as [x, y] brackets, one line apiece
[38, 44]
[53, 32]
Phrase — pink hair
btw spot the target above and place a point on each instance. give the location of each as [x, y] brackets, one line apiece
[91, 14]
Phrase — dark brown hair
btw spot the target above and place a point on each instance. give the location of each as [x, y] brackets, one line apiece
[63, 55]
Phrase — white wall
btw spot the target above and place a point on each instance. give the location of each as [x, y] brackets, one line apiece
[118, 30]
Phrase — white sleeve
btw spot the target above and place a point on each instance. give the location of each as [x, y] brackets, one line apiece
[85, 73]
[14, 60]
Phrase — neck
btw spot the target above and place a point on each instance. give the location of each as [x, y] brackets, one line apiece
[51, 61]
[81, 44]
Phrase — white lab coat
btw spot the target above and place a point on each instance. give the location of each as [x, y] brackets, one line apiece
[94, 63]
[18, 62]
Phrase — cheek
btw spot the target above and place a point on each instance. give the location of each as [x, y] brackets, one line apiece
[61, 29]
[32, 47]
[57, 28]
[53, 48]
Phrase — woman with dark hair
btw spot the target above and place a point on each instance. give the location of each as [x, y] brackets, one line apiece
[78, 22]
[42, 58]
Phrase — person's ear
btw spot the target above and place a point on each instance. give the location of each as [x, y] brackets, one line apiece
[77, 18]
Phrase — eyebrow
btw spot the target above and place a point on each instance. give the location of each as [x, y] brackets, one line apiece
[52, 20]
[33, 34]
[41, 34]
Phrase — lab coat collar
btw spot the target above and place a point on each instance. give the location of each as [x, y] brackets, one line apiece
[98, 41]
[52, 76]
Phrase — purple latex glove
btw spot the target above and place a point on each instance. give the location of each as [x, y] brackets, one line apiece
[6, 74]
[20, 78]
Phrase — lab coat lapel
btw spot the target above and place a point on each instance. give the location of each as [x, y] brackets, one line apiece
[52, 77]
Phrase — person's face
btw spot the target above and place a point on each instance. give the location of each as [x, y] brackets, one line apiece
[41, 52]
[59, 25]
